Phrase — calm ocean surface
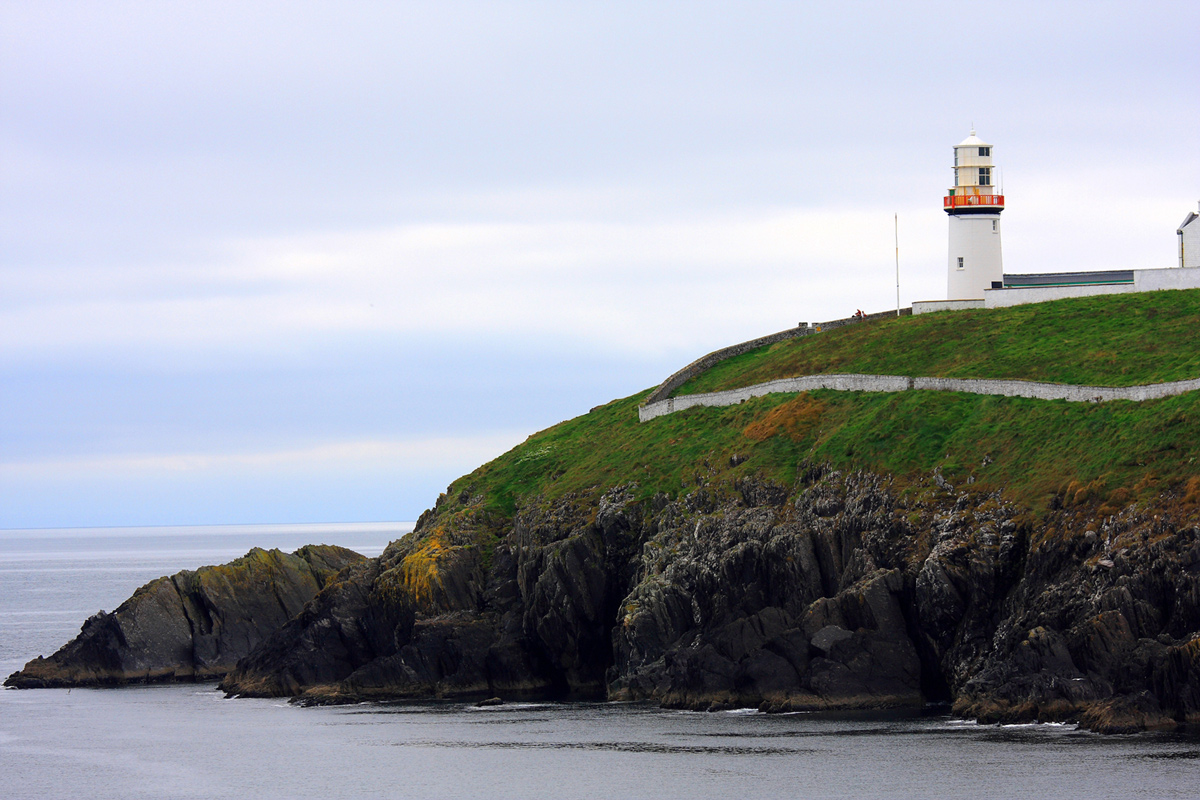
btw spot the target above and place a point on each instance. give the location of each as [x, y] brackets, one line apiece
[188, 741]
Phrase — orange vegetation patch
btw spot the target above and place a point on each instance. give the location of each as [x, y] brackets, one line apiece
[793, 419]
[1117, 500]
[1078, 493]
[1191, 493]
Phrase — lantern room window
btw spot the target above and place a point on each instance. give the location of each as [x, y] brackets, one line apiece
[985, 151]
[985, 176]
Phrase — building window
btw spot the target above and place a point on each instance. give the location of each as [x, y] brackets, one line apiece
[995, 226]
[956, 156]
[985, 176]
[960, 262]
[985, 151]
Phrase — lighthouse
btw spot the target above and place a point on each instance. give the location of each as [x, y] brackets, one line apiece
[974, 208]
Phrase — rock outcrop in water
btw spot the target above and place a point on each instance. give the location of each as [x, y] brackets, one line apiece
[191, 625]
[839, 592]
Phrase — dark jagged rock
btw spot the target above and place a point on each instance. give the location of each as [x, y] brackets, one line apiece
[690, 603]
[835, 593]
[1103, 627]
[428, 618]
[770, 608]
[193, 625]
[705, 602]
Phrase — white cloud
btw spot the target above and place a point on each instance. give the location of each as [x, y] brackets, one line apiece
[415, 456]
[611, 284]
[660, 283]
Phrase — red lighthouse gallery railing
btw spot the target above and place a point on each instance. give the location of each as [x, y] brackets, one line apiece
[956, 200]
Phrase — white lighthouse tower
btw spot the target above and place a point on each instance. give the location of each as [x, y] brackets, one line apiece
[974, 210]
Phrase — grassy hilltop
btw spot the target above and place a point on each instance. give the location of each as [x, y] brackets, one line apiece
[1114, 340]
[1038, 452]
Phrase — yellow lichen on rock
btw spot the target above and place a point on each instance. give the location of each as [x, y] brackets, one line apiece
[420, 570]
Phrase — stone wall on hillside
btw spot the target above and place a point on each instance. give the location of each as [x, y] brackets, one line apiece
[900, 383]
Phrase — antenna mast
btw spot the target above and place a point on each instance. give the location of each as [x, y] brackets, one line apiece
[896, 222]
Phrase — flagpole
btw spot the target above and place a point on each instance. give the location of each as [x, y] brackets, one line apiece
[897, 231]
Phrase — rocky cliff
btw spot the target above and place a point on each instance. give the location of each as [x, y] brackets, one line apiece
[842, 591]
[192, 625]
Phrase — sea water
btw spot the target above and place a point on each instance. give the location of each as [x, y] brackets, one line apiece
[190, 741]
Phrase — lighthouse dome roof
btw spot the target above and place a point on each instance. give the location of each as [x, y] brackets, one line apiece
[972, 141]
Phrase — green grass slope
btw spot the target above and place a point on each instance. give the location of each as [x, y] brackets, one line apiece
[1038, 452]
[1034, 450]
[1114, 340]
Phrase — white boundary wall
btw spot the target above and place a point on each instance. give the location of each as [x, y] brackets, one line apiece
[930, 306]
[900, 383]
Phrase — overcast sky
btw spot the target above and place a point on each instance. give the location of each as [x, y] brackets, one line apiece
[305, 262]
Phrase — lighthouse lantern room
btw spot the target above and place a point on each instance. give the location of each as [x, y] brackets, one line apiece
[974, 207]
